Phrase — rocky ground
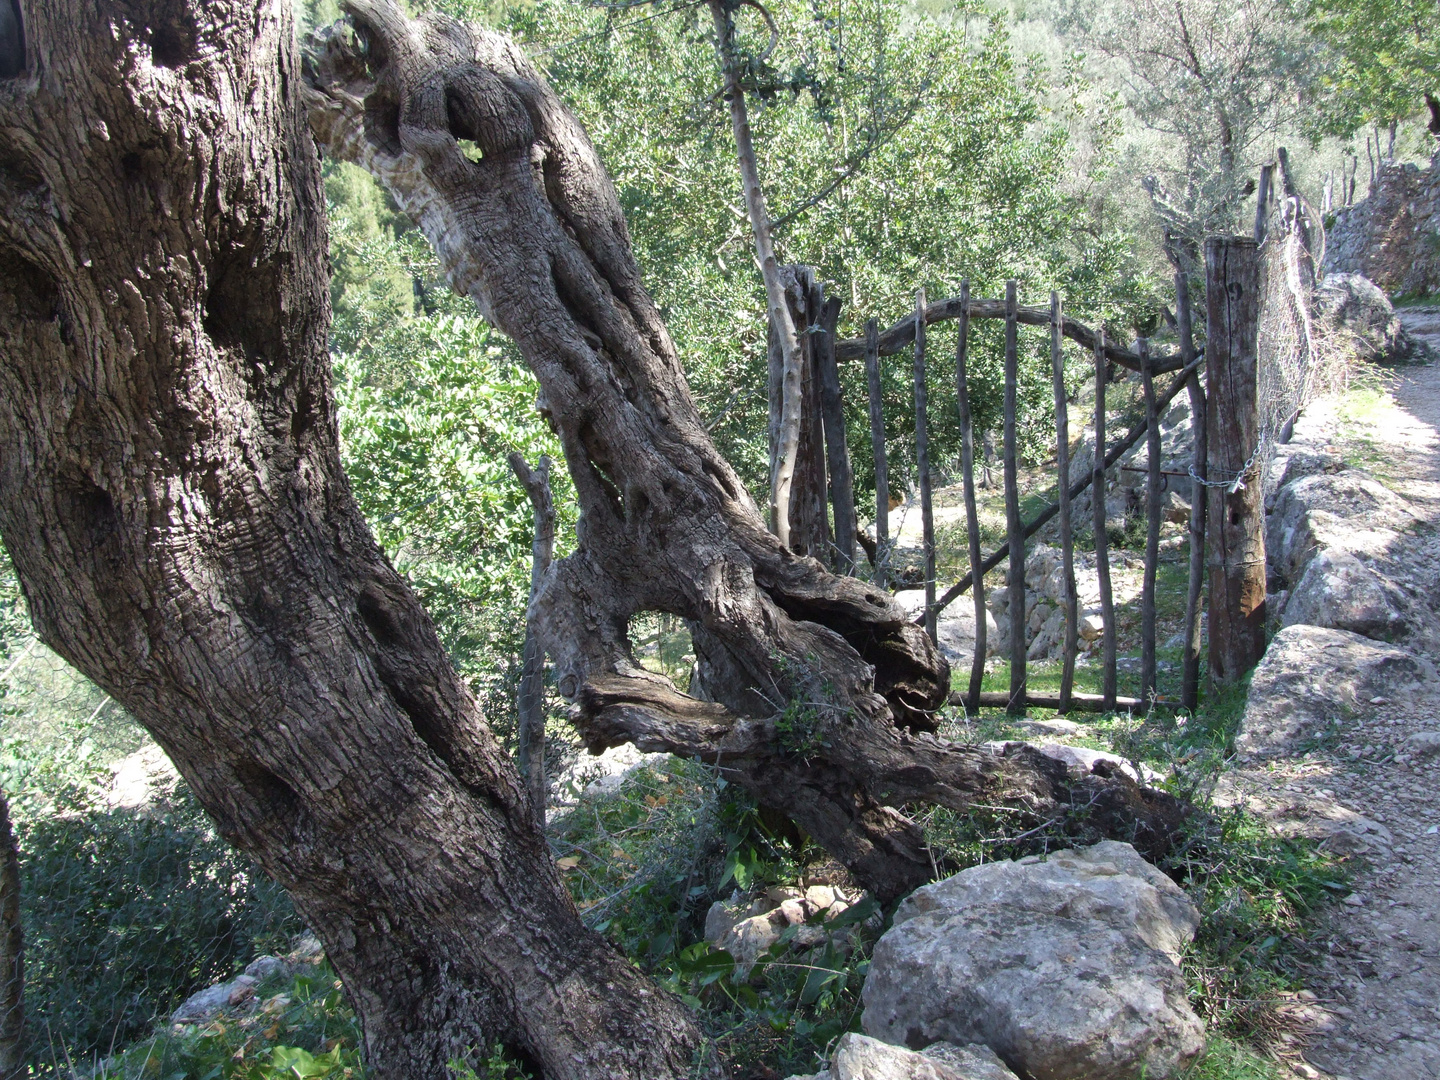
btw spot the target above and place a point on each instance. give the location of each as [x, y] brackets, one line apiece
[1371, 784]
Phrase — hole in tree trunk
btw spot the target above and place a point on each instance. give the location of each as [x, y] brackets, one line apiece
[660, 642]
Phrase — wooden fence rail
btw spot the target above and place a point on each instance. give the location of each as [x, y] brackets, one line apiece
[902, 334]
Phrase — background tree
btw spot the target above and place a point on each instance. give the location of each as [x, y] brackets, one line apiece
[1215, 77]
[1382, 62]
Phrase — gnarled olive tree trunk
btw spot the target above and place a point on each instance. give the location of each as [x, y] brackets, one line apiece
[807, 682]
[172, 498]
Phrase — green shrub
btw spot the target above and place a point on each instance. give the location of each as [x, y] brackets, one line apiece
[128, 913]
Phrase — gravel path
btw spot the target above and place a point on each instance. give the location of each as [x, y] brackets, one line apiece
[1377, 978]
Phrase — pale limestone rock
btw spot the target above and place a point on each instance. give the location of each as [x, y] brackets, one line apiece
[858, 1057]
[1068, 968]
[1312, 676]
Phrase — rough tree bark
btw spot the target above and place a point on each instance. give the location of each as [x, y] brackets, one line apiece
[534, 234]
[172, 498]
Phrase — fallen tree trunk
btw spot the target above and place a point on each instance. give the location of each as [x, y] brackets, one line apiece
[806, 681]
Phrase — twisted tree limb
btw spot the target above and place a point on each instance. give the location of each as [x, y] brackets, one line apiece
[806, 682]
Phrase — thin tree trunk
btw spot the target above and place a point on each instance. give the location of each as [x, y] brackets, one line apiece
[531, 699]
[1102, 538]
[922, 461]
[809, 524]
[788, 442]
[877, 443]
[1014, 524]
[1262, 202]
[1067, 538]
[972, 515]
[1194, 611]
[1152, 529]
[12, 955]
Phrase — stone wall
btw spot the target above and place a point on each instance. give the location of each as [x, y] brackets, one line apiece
[1392, 237]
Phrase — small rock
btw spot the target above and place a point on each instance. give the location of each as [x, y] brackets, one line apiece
[1424, 743]
[721, 919]
[793, 912]
[1091, 627]
[858, 1057]
[1311, 675]
[262, 967]
[214, 999]
[1051, 727]
[819, 897]
[1338, 590]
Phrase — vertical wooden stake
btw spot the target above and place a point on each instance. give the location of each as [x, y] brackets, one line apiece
[1152, 528]
[1262, 202]
[1102, 539]
[972, 514]
[877, 442]
[1235, 517]
[531, 703]
[922, 461]
[1190, 673]
[1014, 524]
[842, 482]
[1067, 539]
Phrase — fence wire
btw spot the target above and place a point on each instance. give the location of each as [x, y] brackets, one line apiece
[1300, 356]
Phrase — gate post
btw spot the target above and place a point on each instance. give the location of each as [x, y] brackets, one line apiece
[1235, 517]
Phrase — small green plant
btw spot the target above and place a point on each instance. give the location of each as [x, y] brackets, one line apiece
[799, 730]
[302, 1030]
[497, 1064]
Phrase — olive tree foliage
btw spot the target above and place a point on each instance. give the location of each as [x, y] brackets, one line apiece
[1217, 80]
[898, 150]
[1383, 61]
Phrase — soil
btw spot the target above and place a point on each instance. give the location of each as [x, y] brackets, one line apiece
[1376, 974]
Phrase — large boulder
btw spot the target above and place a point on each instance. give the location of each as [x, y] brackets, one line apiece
[858, 1057]
[1067, 968]
[1354, 310]
[1311, 676]
[1339, 591]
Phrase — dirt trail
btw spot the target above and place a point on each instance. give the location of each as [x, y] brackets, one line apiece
[1378, 974]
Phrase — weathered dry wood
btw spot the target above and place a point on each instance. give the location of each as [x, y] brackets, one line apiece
[922, 462]
[809, 522]
[1071, 646]
[837, 454]
[1048, 514]
[1014, 524]
[1079, 701]
[1262, 202]
[877, 444]
[1152, 526]
[1108, 676]
[1235, 531]
[972, 515]
[530, 702]
[1194, 612]
[788, 441]
[900, 335]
